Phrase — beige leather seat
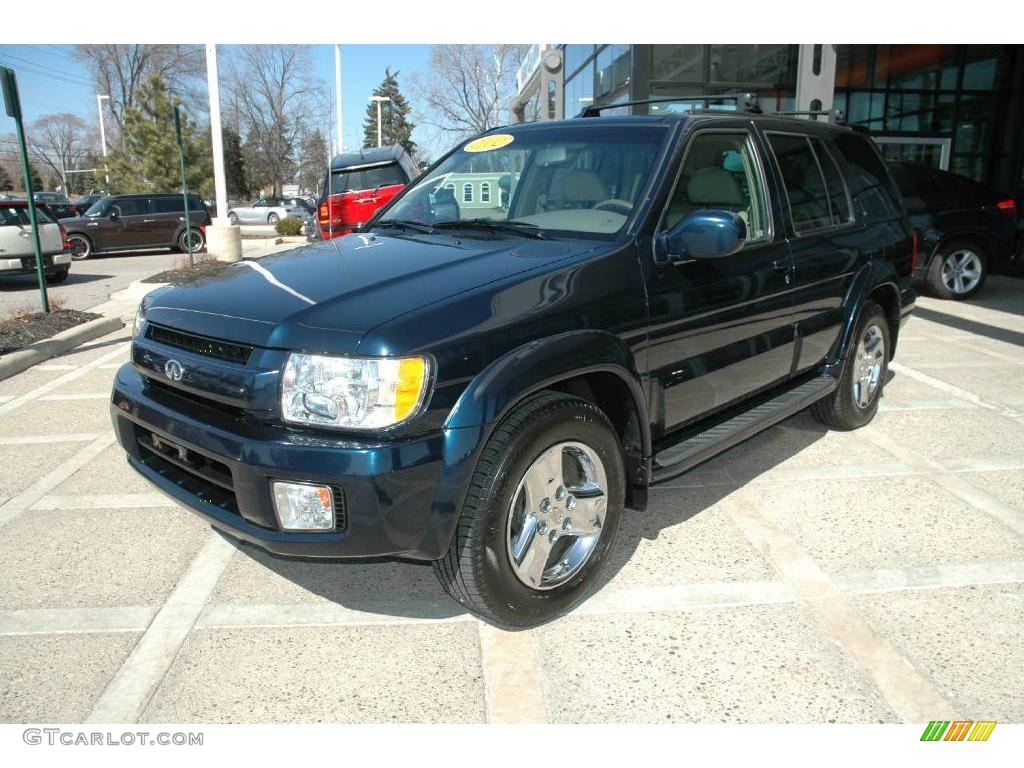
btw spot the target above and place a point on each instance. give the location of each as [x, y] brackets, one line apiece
[709, 188]
[583, 187]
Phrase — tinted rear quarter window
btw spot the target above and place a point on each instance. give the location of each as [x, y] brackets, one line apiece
[838, 202]
[874, 196]
[367, 178]
[805, 186]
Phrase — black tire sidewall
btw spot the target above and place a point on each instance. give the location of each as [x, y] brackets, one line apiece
[273, 218]
[183, 243]
[88, 244]
[849, 410]
[508, 595]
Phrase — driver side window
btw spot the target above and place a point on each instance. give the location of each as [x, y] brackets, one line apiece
[721, 173]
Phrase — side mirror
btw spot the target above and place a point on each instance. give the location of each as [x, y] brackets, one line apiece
[114, 214]
[701, 235]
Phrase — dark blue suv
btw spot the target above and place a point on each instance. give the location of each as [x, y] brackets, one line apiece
[552, 318]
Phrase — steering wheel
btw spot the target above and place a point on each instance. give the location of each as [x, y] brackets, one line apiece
[617, 206]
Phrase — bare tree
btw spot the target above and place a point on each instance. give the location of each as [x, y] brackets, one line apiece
[60, 142]
[277, 99]
[119, 70]
[468, 87]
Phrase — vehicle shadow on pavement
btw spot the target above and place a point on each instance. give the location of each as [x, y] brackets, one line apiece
[31, 282]
[681, 499]
[408, 589]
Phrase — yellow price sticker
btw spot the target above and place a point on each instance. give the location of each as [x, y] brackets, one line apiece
[487, 143]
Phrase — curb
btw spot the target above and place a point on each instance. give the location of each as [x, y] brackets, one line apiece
[23, 359]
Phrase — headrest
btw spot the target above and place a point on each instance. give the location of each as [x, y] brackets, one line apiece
[584, 187]
[714, 186]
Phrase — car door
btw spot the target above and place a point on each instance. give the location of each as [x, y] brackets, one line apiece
[168, 211]
[823, 238]
[720, 329]
[256, 212]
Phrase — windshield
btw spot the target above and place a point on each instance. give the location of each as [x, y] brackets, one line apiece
[99, 208]
[584, 179]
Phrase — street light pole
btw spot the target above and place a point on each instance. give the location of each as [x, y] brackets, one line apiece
[337, 96]
[220, 186]
[103, 137]
[379, 100]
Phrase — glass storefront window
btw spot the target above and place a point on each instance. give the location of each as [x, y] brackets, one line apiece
[678, 63]
[575, 55]
[613, 68]
[579, 92]
[761, 64]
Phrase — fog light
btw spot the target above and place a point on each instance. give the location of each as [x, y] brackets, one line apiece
[303, 507]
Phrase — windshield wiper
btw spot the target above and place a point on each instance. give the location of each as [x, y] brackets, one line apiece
[522, 228]
[419, 226]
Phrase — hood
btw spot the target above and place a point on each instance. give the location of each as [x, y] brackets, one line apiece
[324, 297]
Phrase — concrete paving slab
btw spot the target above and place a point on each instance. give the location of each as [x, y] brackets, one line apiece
[41, 417]
[399, 673]
[107, 473]
[27, 381]
[967, 641]
[935, 352]
[953, 436]
[71, 558]
[89, 352]
[56, 678]
[744, 665]
[901, 522]
[98, 381]
[683, 538]
[999, 384]
[1008, 487]
[22, 465]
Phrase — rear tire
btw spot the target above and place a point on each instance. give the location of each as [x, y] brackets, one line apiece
[59, 275]
[198, 241]
[536, 498]
[233, 218]
[273, 218]
[81, 247]
[854, 401]
[957, 271]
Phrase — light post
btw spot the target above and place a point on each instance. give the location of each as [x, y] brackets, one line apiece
[103, 137]
[379, 100]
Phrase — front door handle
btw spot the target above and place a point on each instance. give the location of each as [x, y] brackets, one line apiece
[780, 265]
[92, 224]
[149, 221]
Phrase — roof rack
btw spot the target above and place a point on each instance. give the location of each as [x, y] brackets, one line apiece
[836, 115]
[745, 102]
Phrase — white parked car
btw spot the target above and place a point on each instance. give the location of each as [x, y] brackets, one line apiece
[17, 251]
[268, 210]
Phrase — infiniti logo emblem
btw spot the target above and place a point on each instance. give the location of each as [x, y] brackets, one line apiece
[173, 370]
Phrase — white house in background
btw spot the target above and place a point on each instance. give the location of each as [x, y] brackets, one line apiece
[478, 191]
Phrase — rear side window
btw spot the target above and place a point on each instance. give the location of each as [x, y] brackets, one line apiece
[805, 185]
[359, 179]
[870, 187]
[839, 205]
[130, 206]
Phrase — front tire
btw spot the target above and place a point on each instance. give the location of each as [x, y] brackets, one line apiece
[59, 275]
[233, 218]
[540, 515]
[80, 246]
[957, 271]
[854, 402]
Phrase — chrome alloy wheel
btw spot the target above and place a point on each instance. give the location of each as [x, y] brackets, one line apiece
[961, 271]
[557, 515]
[869, 363]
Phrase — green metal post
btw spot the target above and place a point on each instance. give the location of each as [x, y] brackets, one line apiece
[184, 185]
[12, 102]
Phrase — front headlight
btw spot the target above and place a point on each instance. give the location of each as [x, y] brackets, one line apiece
[352, 392]
[140, 319]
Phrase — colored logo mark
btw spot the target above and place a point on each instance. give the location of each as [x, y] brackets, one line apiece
[958, 730]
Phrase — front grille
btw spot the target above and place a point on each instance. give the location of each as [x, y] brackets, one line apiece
[201, 345]
[208, 402]
[202, 476]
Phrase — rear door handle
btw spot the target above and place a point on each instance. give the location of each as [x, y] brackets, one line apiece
[149, 221]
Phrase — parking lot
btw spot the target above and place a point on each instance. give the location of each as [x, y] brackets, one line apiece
[805, 576]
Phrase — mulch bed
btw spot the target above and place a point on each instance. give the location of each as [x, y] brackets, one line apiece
[187, 275]
[29, 327]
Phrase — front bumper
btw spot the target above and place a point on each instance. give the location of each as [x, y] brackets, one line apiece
[27, 264]
[386, 488]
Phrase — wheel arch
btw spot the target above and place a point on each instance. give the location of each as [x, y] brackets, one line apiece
[593, 365]
[975, 236]
[877, 282]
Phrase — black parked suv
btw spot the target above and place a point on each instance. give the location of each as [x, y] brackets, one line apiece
[966, 230]
[136, 222]
[490, 392]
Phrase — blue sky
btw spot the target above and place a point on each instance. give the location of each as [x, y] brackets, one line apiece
[50, 80]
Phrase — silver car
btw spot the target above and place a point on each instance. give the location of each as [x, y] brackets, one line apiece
[268, 210]
[17, 250]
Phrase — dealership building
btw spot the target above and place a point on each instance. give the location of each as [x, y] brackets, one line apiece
[955, 107]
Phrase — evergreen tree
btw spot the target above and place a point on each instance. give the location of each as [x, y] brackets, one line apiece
[148, 158]
[37, 178]
[396, 127]
[234, 165]
[6, 185]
